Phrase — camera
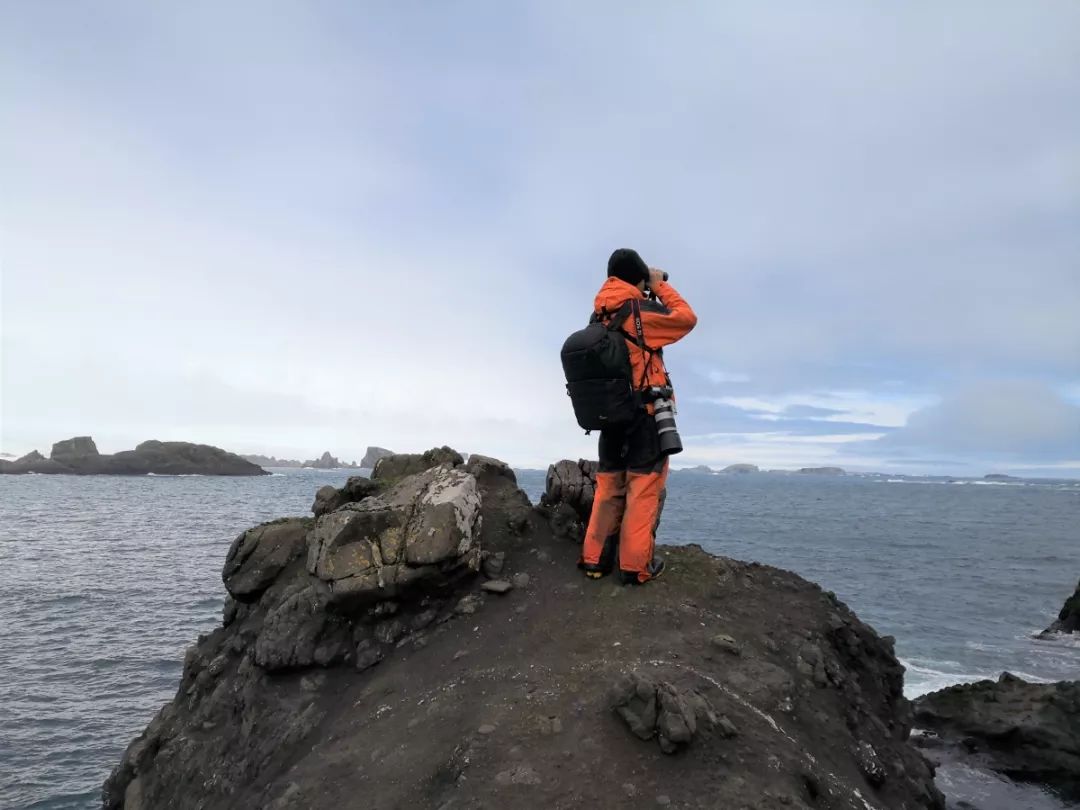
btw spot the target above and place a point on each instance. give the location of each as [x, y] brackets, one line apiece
[664, 414]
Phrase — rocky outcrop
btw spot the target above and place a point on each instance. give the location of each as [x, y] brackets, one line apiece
[372, 457]
[80, 456]
[1068, 620]
[329, 462]
[570, 488]
[1027, 731]
[822, 471]
[1001, 477]
[73, 452]
[431, 644]
[401, 465]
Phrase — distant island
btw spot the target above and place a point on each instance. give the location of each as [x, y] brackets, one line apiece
[736, 469]
[80, 456]
[1001, 477]
[324, 462]
[823, 471]
[741, 469]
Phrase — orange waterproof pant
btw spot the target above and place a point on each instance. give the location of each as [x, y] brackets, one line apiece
[626, 508]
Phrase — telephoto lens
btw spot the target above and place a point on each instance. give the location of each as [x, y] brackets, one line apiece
[664, 414]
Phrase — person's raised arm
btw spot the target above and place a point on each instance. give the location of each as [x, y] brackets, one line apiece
[670, 321]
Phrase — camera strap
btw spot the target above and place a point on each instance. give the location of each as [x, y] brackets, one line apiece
[646, 352]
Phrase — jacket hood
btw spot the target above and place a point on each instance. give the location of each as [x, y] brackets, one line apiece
[614, 294]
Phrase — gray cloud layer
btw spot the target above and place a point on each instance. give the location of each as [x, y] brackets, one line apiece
[378, 226]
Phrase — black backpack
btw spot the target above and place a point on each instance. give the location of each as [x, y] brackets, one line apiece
[599, 380]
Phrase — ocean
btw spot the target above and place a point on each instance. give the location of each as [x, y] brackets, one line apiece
[105, 581]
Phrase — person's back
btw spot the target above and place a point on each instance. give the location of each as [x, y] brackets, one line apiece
[633, 466]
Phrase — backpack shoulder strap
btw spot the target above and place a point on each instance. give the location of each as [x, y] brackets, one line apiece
[618, 317]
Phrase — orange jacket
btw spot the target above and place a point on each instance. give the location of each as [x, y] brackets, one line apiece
[663, 322]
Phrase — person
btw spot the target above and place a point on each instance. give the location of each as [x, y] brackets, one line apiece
[633, 471]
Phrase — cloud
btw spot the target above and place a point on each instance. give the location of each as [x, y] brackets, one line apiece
[396, 218]
[1002, 420]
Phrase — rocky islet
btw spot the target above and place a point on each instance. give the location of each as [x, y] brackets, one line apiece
[80, 456]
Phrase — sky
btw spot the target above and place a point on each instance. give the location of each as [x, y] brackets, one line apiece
[290, 227]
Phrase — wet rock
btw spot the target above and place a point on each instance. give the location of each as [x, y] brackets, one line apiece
[1068, 620]
[1028, 731]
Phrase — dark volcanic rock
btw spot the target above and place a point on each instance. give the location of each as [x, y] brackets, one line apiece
[258, 555]
[332, 685]
[1028, 731]
[570, 489]
[372, 456]
[1068, 620]
[400, 465]
[329, 498]
[79, 456]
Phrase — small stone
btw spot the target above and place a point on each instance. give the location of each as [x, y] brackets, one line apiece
[312, 683]
[520, 609]
[543, 556]
[460, 654]
[663, 801]
[499, 586]
[726, 643]
[629, 789]
[486, 729]
[520, 580]
[494, 563]
[727, 728]
[468, 605]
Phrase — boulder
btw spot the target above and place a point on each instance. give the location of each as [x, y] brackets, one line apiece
[485, 467]
[572, 485]
[372, 456]
[652, 708]
[1068, 620]
[258, 555]
[424, 527]
[1027, 731]
[329, 498]
[400, 465]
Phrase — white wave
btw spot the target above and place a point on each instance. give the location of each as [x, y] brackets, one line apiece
[927, 679]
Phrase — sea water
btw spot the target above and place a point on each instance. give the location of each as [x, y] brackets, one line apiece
[105, 581]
